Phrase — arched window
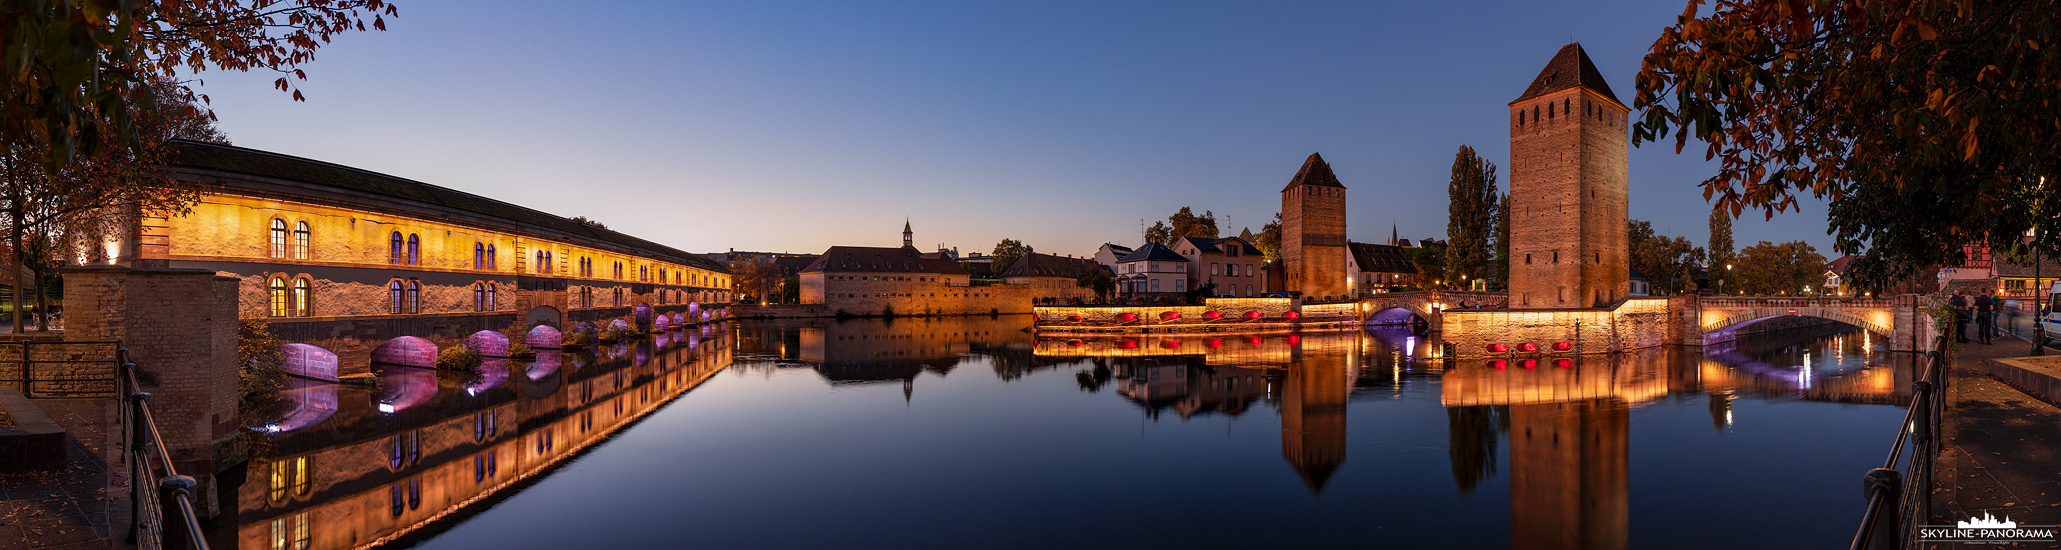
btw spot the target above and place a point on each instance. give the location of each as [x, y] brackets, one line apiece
[490, 258]
[550, 265]
[396, 299]
[414, 250]
[414, 296]
[479, 297]
[491, 304]
[1520, 118]
[393, 252]
[277, 293]
[300, 240]
[618, 297]
[479, 255]
[300, 298]
[278, 238]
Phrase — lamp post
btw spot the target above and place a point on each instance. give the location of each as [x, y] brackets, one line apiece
[2039, 313]
[1721, 280]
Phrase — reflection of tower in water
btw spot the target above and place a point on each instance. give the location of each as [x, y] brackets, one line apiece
[1314, 391]
[1568, 482]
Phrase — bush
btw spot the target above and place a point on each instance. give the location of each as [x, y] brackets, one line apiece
[458, 358]
[612, 334]
[887, 311]
[259, 378]
[520, 348]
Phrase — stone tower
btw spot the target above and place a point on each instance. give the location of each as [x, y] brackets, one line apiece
[1568, 188]
[908, 237]
[1313, 231]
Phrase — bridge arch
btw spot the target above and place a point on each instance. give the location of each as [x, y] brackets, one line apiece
[487, 343]
[542, 337]
[308, 361]
[640, 315]
[1395, 316]
[1726, 328]
[543, 315]
[407, 351]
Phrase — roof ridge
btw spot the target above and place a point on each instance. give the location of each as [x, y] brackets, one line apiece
[1569, 68]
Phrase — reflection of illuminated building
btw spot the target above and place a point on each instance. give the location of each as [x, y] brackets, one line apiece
[1158, 383]
[369, 482]
[1313, 396]
[1568, 475]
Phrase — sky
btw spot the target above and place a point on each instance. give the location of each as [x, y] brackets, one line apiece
[793, 126]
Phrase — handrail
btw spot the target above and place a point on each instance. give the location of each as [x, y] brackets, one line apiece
[1908, 491]
[172, 492]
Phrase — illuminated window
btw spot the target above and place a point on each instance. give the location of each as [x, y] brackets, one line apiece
[300, 298]
[396, 297]
[479, 297]
[279, 481]
[301, 479]
[414, 296]
[393, 252]
[414, 250]
[490, 257]
[492, 304]
[278, 238]
[618, 297]
[277, 293]
[300, 240]
[479, 255]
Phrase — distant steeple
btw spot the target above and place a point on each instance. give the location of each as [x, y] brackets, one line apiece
[908, 237]
[1391, 235]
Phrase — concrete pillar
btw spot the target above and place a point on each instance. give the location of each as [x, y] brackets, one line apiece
[179, 326]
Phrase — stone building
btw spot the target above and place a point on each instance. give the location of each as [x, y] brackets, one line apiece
[1313, 245]
[1568, 188]
[1375, 267]
[346, 259]
[1234, 265]
[1050, 278]
[1152, 269]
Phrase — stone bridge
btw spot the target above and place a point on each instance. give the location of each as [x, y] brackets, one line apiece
[1400, 308]
[1906, 320]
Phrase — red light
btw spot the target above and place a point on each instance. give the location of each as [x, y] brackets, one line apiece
[1531, 364]
[1170, 344]
[1213, 343]
[1252, 315]
[1073, 318]
[1294, 339]
[1169, 315]
[1499, 364]
[1563, 346]
[1498, 348]
[1527, 346]
[1292, 315]
[1130, 344]
[1254, 341]
[1562, 363]
[1075, 343]
[1213, 315]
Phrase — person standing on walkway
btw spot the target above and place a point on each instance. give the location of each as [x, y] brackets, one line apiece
[1985, 322]
[1960, 304]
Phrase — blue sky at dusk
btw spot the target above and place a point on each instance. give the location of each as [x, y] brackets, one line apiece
[781, 126]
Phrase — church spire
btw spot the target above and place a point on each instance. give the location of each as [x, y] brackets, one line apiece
[1392, 235]
[908, 237]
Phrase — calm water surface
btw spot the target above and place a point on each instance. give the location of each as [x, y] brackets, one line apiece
[970, 433]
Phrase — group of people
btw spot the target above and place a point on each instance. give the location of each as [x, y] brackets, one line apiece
[1982, 309]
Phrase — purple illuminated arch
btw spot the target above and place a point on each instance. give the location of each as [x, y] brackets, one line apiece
[309, 403]
[641, 315]
[619, 325]
[402, 388]
[1392, 316]
[661, 323]
[408, 351]
[309, 362]
[546, 364]
[679, 320]
[492, 372]
[488, 343]
[543, 337]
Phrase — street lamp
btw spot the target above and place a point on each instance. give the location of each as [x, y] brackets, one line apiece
[2039, 314]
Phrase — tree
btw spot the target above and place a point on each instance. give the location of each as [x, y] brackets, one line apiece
[1670, 262]
[1927, 124]
[583, 220]
[1431, 267]
[1269, 239]
[1006, 254]
[1471, 208]
[755, 276]
[1502, 278]
[1097, 279]
[1769, 269]
[1183, 224]
[1720, 247]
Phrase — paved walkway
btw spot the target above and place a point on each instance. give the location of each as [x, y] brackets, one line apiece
[2003, 447]
[77, 508]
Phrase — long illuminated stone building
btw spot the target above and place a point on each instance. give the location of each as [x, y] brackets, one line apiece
[346, 259]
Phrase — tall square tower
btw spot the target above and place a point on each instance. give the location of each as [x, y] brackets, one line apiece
[1568, 188]
[1313, 245]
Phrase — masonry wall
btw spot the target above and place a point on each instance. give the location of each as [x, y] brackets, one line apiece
[1313, 243]
[180, 328]
[1636, 323]
[1569, 201]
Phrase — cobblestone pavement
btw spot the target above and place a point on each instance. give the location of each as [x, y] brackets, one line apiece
[2002, 452]
[76, 508]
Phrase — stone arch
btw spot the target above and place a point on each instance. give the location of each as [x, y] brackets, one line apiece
[308, 403]
[492, 372]
[587, 328]
[543, 337]
[641, 315]
[693, 310]
[308, 361]
[546, 364]
[1395, 316]
[543, 315]
[619, 325]
[487, 343]
[661, 323]
[679, 320]
[1727, 328]
[407, 351]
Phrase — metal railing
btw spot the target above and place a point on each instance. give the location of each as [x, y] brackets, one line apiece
[102, 384]
[1900, 501]
[161, 512]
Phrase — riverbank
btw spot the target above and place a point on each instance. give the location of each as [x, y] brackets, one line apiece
[2002, 452]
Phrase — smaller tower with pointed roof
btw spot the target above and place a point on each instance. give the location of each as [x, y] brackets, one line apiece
[908, 237]
[1313, 247]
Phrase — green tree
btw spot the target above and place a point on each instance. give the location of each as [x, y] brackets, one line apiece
[1006, 253]
[1470, 212]
[1926, 124]
[1720, 247]
[1502, 278]
[1431, 267]
[1097, 279]
[1768, 269]
[1269, 239]
[1183, 224]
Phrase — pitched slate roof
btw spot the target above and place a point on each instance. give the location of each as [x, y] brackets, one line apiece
[1314, 172]
[1839, 265]
[874, 259]
[790, 265]
[229, 158]
[1204, 245]
[1637, 276]
[1047, 265]
[1381, 258]
[1569, 68]
[1153, 252]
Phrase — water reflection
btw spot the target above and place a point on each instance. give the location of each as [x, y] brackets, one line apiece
[396, 458]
